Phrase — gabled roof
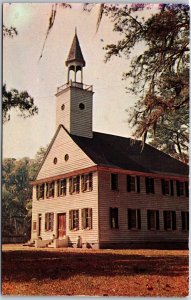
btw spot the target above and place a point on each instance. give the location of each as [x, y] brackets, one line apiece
[75, 53]
[119, 152]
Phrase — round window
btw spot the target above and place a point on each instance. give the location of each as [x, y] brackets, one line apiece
[62, 107]
[81, 106]
[55, 160]
[66, 157]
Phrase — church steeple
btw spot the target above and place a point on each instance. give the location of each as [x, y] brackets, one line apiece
[74, 100]
[75, 61]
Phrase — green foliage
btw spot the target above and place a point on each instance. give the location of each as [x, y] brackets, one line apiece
[17, 193]
[160, 73]
[172, 136]
[20, 100]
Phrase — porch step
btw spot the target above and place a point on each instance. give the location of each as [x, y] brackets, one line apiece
[51, 244]
[30, 244]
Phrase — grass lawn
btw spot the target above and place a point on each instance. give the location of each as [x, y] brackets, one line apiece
[30, 271]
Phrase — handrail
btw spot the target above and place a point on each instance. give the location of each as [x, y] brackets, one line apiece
[75, 84]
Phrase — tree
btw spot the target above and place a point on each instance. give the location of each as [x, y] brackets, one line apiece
[171, 136]
[159, 75]
[17, 193]
[20, 100]
[13, 98]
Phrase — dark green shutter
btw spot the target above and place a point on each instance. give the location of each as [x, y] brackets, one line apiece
[153, 185]
[187, 220]
[171, 188]
[183, 220]
[173, 220]
[178, 188]
[138, 184]
[157, 220]
[83, 218]
[111, 216]
[52, 221]
[116, 217]
[70, 219]
[77, 184]
[129, 218]
[139, 218]
[128, 183]
[165, 219]
[70, 185]
[46, 221]
[90, 214]
[163, 186]
[90, 182]
[58, 188]
[186, 189]
[77, 227]
[147, 185]
[149, 219]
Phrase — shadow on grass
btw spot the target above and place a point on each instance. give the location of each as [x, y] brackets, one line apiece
[29, 265]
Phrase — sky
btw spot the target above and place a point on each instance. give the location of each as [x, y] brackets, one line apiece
[23, 70]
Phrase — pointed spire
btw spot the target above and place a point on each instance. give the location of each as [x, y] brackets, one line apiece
[75, 53]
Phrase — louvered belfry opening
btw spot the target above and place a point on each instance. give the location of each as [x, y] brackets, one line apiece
[75, 61]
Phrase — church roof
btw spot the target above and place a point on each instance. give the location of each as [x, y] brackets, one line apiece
[119, 152]
[75, 53]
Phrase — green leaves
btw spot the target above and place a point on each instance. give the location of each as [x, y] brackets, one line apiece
[20, 100]
[160, 73]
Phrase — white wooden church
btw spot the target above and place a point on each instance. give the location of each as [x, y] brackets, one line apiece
[101, 191]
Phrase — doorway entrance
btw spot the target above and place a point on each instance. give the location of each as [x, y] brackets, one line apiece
[61, 225]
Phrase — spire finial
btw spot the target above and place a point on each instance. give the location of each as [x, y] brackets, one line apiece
[75, 30]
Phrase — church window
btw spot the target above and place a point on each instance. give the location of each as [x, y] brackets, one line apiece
[87, 218]
[74, 184]
[62, 187]
[40, 191]
[74, 219]
[66, 157]
[81, 106]
[114, 218]
[134, 218]
[167, 187]
[62, 107]
[86, 182]
[50, 189]
[150, 188]
[169, 220]
[55, 160]
[181, 188]
[49, 221]
[133, 183]
[153, 219]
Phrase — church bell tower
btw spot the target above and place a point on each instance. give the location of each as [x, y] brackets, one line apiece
[74, 100]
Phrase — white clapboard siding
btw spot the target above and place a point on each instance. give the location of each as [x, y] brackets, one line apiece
[75, 120]
[63, 115]
[63, 144]
[63, 205]
[81, 120]
[124, 200]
